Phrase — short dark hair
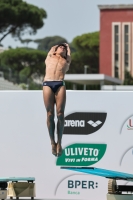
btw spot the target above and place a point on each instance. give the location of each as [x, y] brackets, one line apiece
[64, 45]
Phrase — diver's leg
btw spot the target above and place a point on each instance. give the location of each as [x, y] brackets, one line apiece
[60, 98]
[49, 100]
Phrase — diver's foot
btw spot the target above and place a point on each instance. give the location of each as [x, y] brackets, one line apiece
[59, 150]
[54, 149]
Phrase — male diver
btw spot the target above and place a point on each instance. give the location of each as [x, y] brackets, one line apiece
[54, 92]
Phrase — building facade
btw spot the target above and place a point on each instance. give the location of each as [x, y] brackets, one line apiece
[116, 40]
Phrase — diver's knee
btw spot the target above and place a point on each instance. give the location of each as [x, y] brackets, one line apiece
[50, 116]
[60, 116]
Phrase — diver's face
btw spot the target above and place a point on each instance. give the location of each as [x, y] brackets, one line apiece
[61, 50]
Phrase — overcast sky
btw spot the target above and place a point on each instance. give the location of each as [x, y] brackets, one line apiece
[66, 18]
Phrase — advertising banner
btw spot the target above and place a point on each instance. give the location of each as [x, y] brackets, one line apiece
[98, 132]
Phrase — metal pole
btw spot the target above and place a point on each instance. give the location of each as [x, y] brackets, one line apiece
[85, 72]
[101, 84]
[74, 86]
[10, 74]
[85, 69]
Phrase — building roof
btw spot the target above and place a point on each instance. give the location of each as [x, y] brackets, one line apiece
[117, 6]
[92, 79]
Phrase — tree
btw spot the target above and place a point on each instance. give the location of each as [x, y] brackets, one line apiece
[17, 17]
[77, 64]
[128, 78]
[27, 41]
[87, 53]
[24, 62]
[46, 43]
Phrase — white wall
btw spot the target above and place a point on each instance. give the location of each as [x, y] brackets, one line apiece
[25, 145]
[117, 87]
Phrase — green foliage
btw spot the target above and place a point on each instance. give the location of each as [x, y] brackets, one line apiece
[128, 79]
[69, 86]
[25, 72]
[34, 86]
[46, 43]
[23, 86]
[87, 53]
[24, 62]
[27, 41]
[77, 64]
[86, 41]
[18, 17]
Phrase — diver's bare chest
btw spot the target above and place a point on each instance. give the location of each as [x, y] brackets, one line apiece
[56, 61]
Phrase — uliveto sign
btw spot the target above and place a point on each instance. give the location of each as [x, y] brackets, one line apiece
[83, 123]
[81, 154]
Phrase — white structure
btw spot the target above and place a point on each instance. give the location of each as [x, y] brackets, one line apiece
[26, 148]
[92, 79]
[117, 87]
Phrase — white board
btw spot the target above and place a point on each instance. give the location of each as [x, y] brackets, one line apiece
[25, 148]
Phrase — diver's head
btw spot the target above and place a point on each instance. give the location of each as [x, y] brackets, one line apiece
[61, 49]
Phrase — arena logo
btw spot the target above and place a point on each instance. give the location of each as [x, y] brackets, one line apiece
[74, 123]
[83, 123]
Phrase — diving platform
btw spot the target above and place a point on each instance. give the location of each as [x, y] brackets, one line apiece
[115, 192]
[16, 187]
